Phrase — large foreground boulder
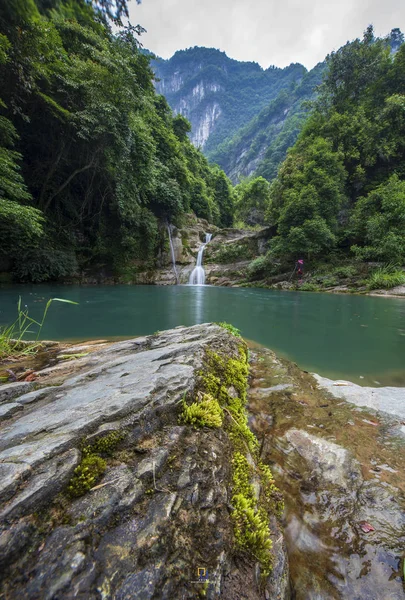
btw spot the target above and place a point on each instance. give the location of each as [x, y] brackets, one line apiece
[118, 481]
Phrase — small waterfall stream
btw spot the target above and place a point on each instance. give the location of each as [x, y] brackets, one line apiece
[173, 255]
[197, 276]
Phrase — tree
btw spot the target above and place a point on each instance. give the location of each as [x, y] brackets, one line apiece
[378, 223]
[101, 155]
[223, 196]
[341, 184]
[307, 197]
[253, 196]
[20, 224]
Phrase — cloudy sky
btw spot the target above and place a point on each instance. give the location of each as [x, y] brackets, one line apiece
[270, 32]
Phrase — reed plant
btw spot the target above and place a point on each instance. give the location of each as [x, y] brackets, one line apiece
[13, 340]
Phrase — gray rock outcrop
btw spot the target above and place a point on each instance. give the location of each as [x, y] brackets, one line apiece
[390, 400]
[160, 515]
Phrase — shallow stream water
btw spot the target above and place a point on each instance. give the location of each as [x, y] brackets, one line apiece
[361, 339]
[340, 469]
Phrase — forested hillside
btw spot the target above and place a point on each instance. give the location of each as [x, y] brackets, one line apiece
[341, 189]
[260, 146]
[228, 102]
[92, 162]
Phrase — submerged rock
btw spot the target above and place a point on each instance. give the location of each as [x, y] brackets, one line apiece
[328, 461]
[390, 400]
[157, 512]
[338, 470]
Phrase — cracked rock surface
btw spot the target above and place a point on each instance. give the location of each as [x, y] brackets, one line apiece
[160, 512]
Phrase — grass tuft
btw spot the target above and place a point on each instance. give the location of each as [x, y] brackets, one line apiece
[12, 336]
[385, 278]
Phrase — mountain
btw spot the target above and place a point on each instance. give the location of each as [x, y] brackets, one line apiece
[241, 115]
[260, 146]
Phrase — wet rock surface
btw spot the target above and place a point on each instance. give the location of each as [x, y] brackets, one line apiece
[390, 400]
[161, 510]
[340, 470]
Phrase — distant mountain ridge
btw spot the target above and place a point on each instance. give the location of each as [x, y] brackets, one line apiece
[242, 116]
[224, 99]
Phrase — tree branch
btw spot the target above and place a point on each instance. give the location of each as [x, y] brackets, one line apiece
[68, 180]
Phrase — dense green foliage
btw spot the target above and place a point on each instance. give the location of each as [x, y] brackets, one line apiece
[92, 162]
[342, 185]
[385, 277]
[252, 197]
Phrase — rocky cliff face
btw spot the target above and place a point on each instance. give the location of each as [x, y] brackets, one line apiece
[218, 94]
[228, 104]
[121, 476]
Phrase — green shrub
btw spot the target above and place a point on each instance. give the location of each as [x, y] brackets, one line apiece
[344, 272]
[329, 281]
[229, 253]
[385, 278]
[257, 268]
[308, 287]
[43, 264]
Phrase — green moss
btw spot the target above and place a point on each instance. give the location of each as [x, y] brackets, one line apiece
[272, 494]
[105, 445]
[222, 385]
[204, 413]
[252, 533]
[92, 465]
[242, 437]
[86, 475]
[228, 373]
[230, 328]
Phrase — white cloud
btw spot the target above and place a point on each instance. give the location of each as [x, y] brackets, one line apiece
[276, 32]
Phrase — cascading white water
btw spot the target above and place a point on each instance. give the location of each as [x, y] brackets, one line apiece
[197, 276]
[172, 251]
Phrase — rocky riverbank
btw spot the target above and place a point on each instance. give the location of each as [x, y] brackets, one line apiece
[127, 471]
[237, 257]
[233, 258]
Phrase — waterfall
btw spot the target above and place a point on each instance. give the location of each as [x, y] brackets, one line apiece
[173, 256]
[197, 277]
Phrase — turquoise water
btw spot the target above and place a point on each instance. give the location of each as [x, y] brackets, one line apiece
[340, 336]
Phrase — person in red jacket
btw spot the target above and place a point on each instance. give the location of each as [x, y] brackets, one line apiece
[300, 267]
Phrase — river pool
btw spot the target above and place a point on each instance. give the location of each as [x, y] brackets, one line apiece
[358, 338]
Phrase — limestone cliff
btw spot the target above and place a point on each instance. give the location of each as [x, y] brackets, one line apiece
[218, 94]
[241, 115]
